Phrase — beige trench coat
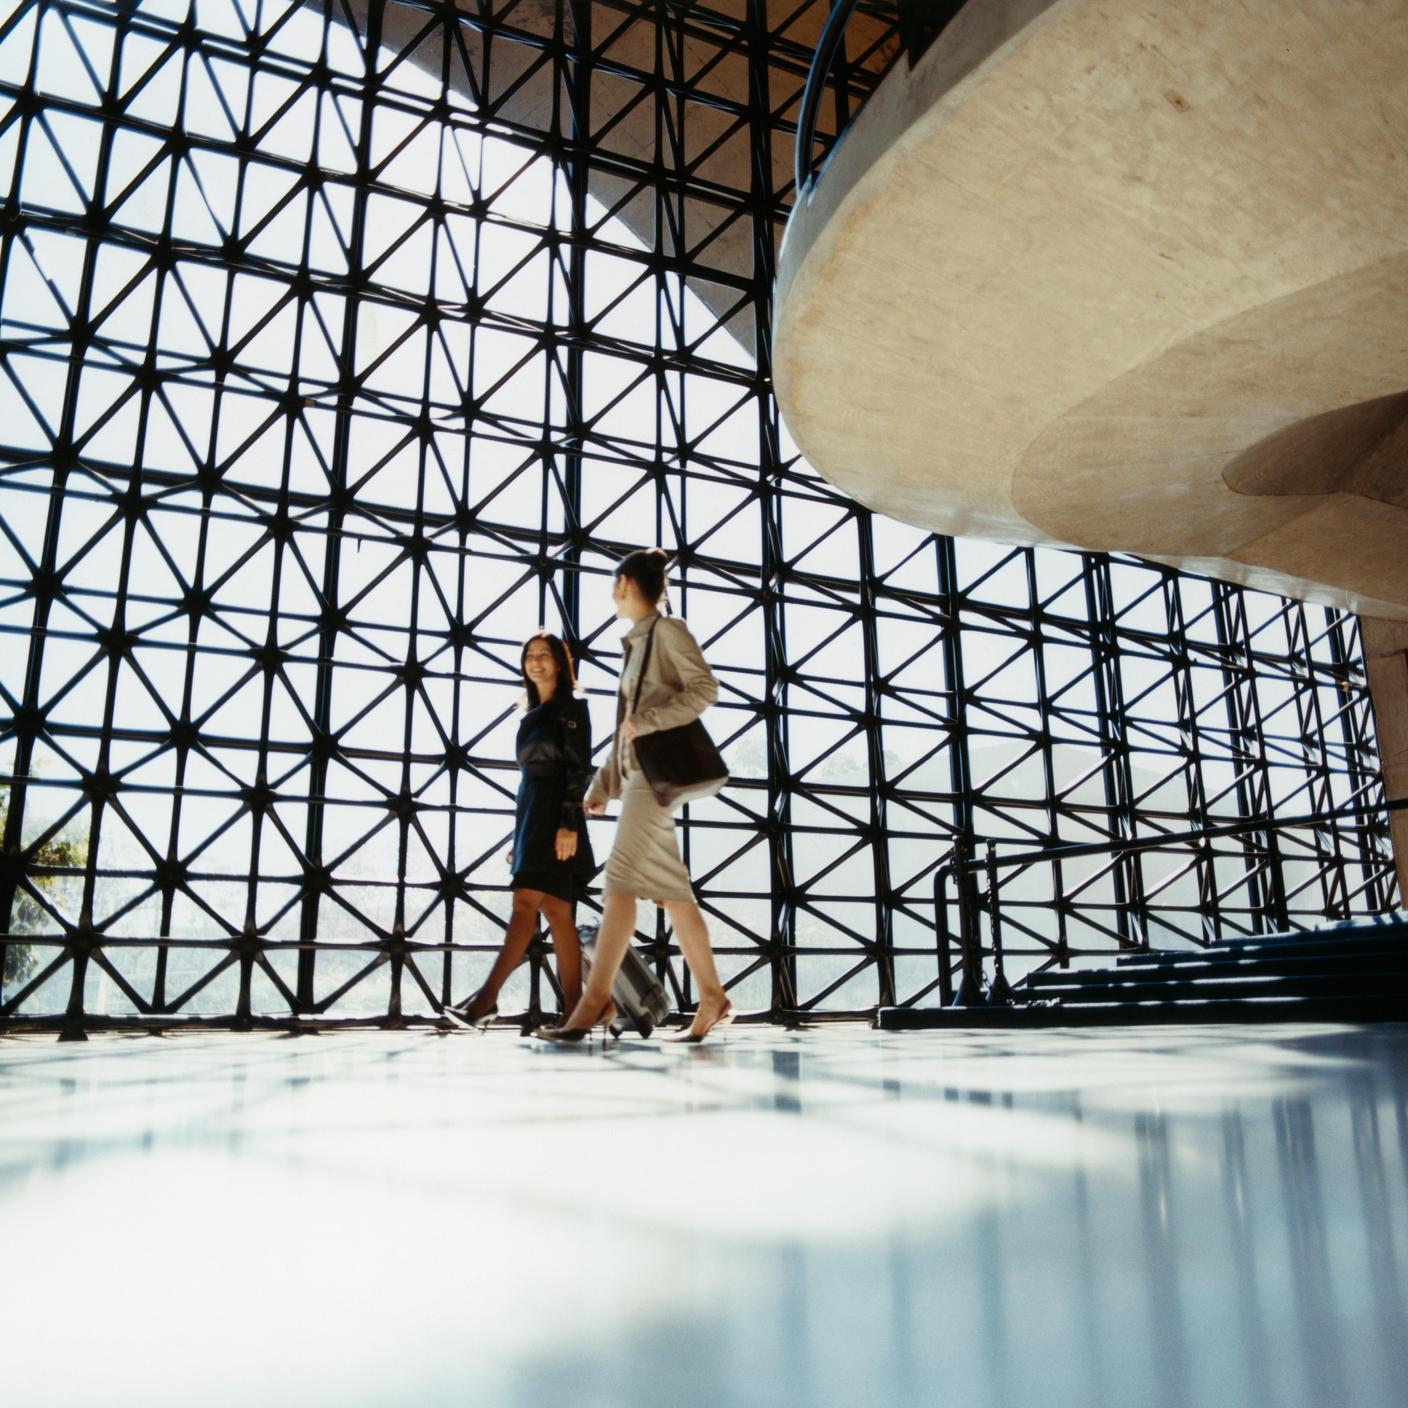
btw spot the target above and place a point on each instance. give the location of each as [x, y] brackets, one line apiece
[679, 687]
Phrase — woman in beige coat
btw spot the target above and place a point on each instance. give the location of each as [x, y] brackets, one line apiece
[645, 857]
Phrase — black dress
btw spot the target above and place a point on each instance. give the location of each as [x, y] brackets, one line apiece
[554, 755]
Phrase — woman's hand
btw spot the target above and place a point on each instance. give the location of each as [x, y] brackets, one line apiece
[566, 843]
[594, 808]
[628, 730]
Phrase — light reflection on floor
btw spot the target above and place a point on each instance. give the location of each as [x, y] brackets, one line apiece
[1162, 1217]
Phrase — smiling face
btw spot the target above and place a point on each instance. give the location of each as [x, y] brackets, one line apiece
[540, 668]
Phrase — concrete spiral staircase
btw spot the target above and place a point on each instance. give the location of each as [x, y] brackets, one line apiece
[1128, 278]
[1355, 971]
[1350, 972]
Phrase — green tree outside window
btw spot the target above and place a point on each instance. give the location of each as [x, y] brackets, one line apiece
[64, 852]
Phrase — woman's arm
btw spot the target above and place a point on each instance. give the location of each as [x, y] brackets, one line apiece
[605, 785]
[575, 742]
[679, 656]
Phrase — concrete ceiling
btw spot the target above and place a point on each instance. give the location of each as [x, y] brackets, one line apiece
[1129, 278]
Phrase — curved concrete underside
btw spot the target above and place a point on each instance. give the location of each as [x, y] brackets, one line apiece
[1124, 277]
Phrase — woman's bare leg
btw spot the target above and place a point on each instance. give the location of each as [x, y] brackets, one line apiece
[567, 945]
[693, 937]
[522, 925]
[618, 923]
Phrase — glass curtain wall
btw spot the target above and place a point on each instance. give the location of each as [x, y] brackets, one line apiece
[342, 346]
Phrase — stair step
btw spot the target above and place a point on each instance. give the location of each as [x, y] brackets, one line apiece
[1391, 960]
[1338, 949]
[1237, 1012]
[1367, 984]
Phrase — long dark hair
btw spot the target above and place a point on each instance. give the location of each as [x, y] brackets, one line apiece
[566, 676]
[646, 568]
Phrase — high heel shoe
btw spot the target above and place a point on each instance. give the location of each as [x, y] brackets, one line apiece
[458, 1012]
[571, 1036]
[694, 1038]
[611, 1020]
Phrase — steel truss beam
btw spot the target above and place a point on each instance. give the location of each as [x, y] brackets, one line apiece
[339, 350]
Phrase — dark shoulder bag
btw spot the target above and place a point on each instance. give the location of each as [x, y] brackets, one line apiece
[680, 764]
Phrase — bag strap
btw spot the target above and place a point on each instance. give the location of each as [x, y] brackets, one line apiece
[644, 666]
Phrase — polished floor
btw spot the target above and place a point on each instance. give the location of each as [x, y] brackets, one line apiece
[1165, 1217]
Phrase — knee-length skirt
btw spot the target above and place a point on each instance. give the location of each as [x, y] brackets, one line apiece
[536, 823]
[645, 856]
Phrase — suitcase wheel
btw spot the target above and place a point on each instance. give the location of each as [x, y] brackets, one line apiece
[643, 1024]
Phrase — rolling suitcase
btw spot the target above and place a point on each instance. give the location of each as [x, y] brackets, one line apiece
[636, 991]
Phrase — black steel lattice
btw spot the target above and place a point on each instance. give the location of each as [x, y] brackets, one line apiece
[342, 347]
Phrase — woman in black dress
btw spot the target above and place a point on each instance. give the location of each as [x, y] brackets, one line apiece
[552, 854]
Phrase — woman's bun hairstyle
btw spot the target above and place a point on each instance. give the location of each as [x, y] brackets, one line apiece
[646, 568]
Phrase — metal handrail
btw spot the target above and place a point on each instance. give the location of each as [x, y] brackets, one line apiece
[825, 55]
[921, 22]
[963, 868]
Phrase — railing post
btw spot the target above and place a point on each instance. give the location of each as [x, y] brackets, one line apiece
[73, 1025]
[970, 988]
[1000, 994]
[1281, 911]
[942, 936]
